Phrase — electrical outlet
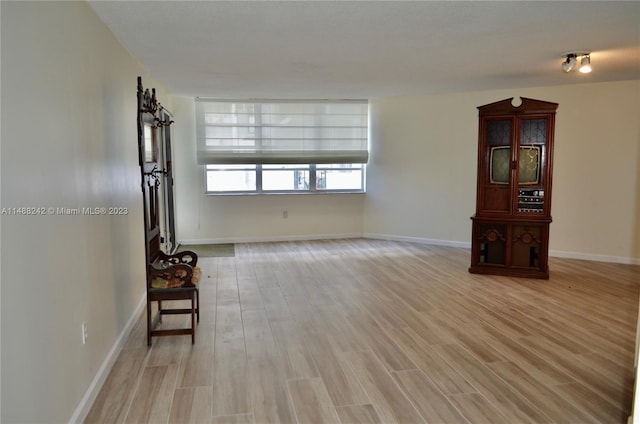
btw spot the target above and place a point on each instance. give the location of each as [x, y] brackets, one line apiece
[85, 332]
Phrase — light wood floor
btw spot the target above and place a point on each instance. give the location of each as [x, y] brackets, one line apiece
[358, 331]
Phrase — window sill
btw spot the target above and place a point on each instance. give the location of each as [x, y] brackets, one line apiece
[285, 193]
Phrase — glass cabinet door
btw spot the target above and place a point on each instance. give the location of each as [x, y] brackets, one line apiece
[498, 136]
[532, 145]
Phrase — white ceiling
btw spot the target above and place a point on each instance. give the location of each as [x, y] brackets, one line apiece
[369, 49]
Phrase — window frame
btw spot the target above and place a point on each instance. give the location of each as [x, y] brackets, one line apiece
[312, 183]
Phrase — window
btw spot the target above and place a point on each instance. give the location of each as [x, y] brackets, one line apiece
[285, 177]
[345, 176]
[289, 178]
[230, 178]
[282, 146]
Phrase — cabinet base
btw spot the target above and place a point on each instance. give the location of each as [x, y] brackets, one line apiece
[510, 272]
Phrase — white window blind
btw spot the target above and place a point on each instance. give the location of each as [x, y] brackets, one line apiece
[282, 132]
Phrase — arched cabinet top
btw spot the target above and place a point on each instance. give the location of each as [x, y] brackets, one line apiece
[525, 106]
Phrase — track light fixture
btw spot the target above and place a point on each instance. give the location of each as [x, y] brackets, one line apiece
[585, 64]
[571, 61]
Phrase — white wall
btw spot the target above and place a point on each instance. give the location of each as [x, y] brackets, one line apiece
[68, 140]
[421, 177]
[422, 171]
[206, 218]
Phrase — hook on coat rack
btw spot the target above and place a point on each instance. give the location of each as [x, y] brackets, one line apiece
[162, 122]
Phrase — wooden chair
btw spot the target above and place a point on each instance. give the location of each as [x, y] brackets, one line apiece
[169, 277]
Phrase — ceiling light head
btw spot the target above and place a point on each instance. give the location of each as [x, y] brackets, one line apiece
[585, 64]
[571, 61]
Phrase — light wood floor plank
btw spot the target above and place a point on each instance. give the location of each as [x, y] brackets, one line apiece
[275, 304]
[258, 339]
[557, 408]
[268, 391]
[230, 380]
[374, 337]
[250, 297]
[391, 403]
[616, 390]
[265, 371]
[447, 379]
[298, 359]
[167, 350]
[384, 315]
[358, 414]
[191, 405]
[229, 321]
[152, 402]
[205, 335]
[432, 404]
[196, 368]
[233, 419]
[311, 401]
[264, 273]
[112, 403]
[341, 382]
[590, 401]
[511, 404]
[424, 326]
[341, 333]
[545, 371]
[477, 409]
[138, 336]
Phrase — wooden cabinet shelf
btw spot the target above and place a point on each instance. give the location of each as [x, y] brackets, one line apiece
[510, 229]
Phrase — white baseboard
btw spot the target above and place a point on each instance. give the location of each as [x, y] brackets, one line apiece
[594, 257]
[270, 239]
[90, 395]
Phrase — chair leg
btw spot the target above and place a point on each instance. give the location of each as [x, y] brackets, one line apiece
[148, 322]
[193, 320]
[198, 304]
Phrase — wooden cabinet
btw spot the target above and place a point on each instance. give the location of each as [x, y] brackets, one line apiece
[510, 229]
